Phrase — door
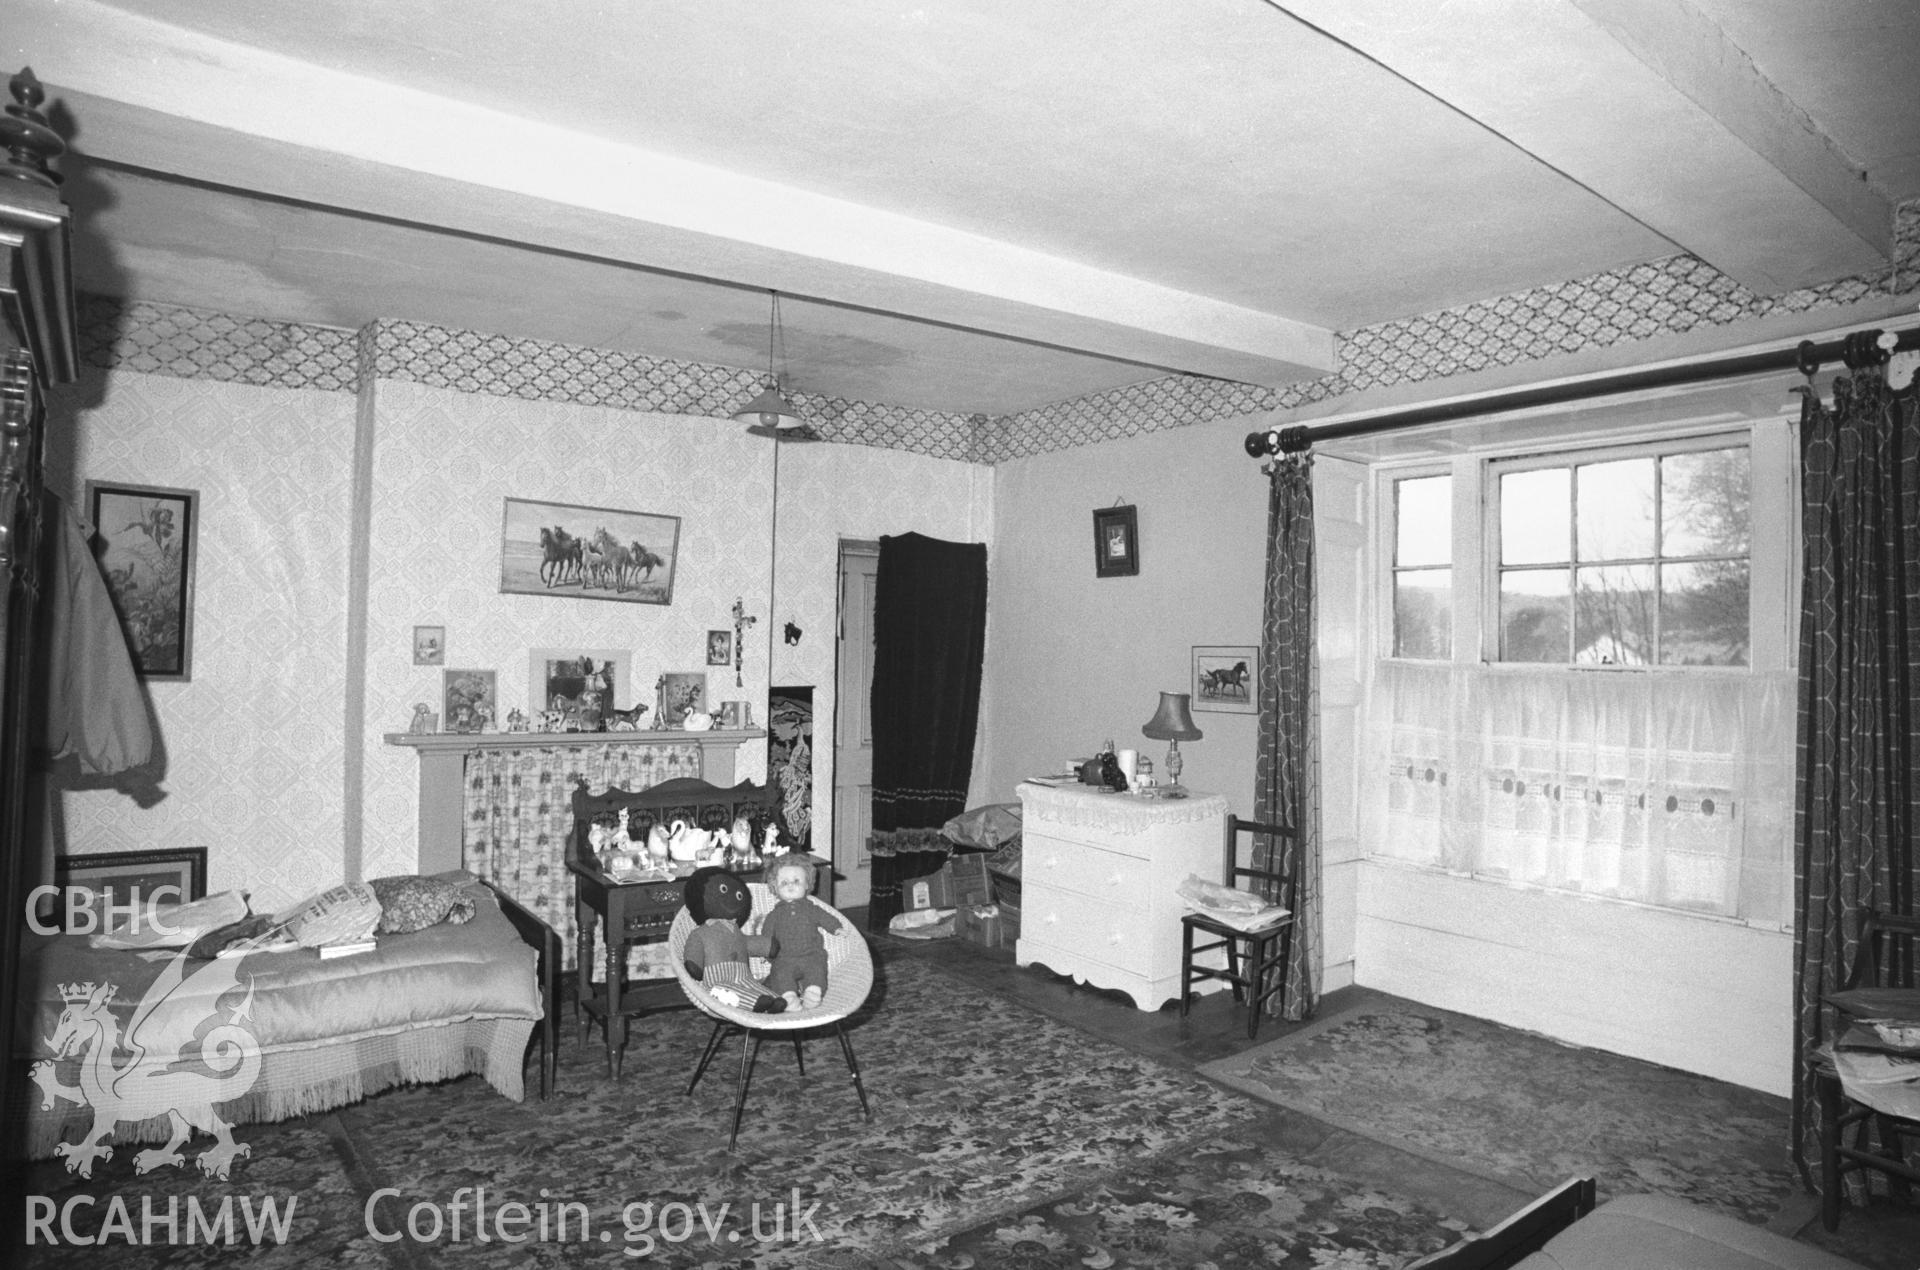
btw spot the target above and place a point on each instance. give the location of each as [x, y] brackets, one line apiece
[853, 725]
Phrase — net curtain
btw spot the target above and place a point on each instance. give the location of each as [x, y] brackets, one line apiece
[929, 634]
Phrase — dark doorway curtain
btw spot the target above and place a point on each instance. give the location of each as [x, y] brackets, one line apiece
[1287, 764]
[929, 640]
[1859, 614]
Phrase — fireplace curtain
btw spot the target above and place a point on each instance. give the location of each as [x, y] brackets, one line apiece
[929, 636]
[1859, 671]
[1287, 764]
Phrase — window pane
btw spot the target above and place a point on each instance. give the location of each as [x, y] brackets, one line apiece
[1615, 509]
[1613, 615]
[1423, 521]
[1533, 615]
[1423, 613]
[1535, 516]
[1703, 613]
[1704, 507]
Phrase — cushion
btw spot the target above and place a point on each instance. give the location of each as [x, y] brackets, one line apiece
[409, 903]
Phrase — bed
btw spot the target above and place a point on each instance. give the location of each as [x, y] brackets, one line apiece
[446, 1001]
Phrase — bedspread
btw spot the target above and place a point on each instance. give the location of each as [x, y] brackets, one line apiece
[437, 1003]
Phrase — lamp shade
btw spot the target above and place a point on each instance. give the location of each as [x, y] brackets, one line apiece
[1173, 721]
[770, 409]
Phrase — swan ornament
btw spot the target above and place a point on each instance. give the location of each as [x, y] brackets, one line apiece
[687, 844]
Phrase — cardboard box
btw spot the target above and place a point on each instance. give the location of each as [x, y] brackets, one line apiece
[961, 880]
[980, 923]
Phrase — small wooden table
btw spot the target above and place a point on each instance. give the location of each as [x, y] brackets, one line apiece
[631, 913]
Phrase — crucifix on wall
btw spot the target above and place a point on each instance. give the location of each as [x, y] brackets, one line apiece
[741, 620]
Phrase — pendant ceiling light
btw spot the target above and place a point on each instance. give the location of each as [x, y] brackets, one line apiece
[772, 413]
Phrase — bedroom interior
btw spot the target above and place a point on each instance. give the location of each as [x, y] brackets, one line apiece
[353, 302]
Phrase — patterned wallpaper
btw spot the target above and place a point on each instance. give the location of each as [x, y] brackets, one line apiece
[444, 462]
[253, 742]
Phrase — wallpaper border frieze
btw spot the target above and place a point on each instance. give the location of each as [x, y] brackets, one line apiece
[167, 339]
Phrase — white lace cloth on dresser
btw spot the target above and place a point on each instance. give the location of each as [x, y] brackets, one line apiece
[1087, 808]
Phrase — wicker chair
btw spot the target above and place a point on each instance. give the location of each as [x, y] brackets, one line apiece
[849, 979]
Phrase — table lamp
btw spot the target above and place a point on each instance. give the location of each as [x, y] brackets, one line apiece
[1173, 723]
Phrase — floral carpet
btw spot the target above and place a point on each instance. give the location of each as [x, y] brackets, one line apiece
[998, 1138]
[1525, 1110]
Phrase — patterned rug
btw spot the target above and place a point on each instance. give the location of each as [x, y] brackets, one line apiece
[1525, 1110]
[999, 1138]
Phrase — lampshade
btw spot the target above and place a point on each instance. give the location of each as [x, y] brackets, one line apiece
[1173, 721]
[772, 413]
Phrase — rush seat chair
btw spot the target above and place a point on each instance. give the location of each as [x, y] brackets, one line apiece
[1260, 861]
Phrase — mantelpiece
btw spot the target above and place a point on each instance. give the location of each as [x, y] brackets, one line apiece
[443, 765]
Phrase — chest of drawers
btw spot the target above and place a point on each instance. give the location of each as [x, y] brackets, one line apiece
[1098, 875]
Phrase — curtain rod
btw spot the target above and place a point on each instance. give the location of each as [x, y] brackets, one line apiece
[1857, 351]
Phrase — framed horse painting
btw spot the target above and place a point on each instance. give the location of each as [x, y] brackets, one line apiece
[1224, 678]
[588, 553]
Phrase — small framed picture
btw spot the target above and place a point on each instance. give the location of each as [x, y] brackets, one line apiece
[1224, 678]
[429, 645]
[144, 536]
[134, 878]
[577, 687]
[682, 693]
[719, 648]
[471, 700]
[1116, 542]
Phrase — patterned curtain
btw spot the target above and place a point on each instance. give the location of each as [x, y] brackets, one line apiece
[519, 816]
[1859, 645]
[1287, 773]
[929, 644]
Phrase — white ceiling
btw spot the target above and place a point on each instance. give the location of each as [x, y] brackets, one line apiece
[972, 205]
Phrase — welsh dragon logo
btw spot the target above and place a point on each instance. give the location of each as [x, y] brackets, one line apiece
[172, 1068]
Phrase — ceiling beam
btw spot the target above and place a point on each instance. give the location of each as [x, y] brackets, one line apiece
[159, 98]
[1650, 106]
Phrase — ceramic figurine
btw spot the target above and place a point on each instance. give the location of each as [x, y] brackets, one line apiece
[658, 848]
[423, 720]
[516, 720]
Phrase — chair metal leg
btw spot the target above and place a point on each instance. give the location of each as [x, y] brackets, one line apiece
[713, 1046]
[748, 1052]
[846, 1047]
[798, 1057]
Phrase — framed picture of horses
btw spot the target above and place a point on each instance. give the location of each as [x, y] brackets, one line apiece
[588, 553]
[1224, 676]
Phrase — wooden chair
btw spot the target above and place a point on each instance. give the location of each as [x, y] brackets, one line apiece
[1268, 872]
[1883, 982]
[849, 979]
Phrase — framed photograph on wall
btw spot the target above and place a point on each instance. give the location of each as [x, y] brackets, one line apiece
[470, 700]
[588, 553]
[144, 536]
[1116, 542]
[584, 685]
[1225, 676]
[128, 877]
[429, 645]
[719, 648]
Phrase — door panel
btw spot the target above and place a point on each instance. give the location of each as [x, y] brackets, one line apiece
[853, 726]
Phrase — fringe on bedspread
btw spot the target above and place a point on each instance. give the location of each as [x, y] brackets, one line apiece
[300, 1082]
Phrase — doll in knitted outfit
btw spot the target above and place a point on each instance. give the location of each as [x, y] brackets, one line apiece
[717, 951]
[795, 925]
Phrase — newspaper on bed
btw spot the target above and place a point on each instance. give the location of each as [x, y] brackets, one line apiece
[344, 914]
[1226, 905]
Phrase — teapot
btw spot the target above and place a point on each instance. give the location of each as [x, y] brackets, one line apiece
[687, 844]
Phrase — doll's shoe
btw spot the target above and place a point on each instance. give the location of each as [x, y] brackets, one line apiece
[812, 997]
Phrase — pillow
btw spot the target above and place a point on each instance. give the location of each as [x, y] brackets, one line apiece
[409, 903]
